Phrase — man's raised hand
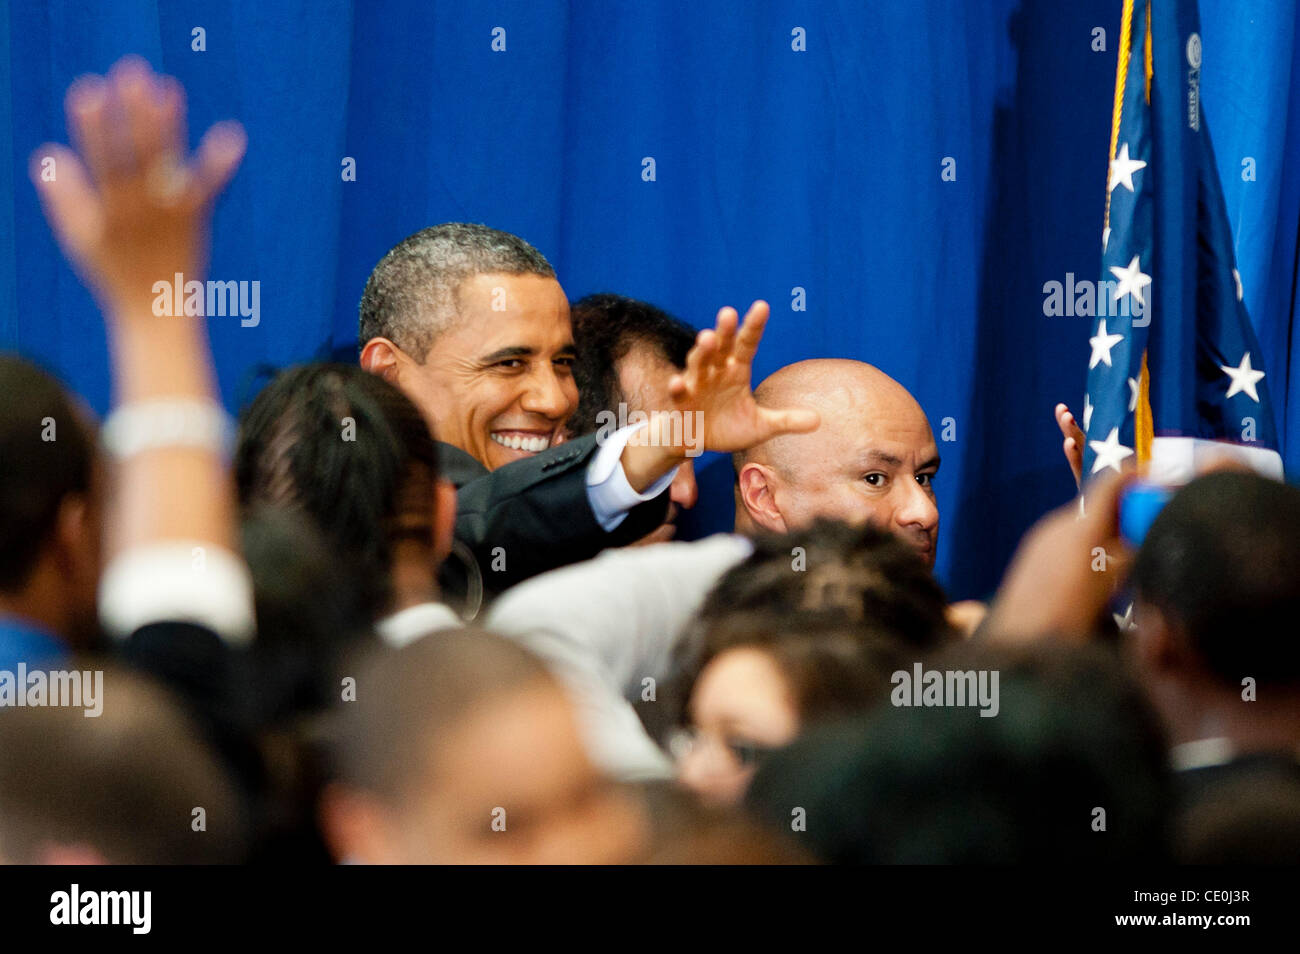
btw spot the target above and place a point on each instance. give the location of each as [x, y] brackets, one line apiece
[716, 384]
[129, 207]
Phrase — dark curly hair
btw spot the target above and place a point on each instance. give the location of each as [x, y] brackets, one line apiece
[605, 328]
[838, 607]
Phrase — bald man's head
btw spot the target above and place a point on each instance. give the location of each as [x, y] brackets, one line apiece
[872, 459]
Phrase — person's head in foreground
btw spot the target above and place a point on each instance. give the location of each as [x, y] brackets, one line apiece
[471, 323]
[462, 748]
[1217, 596]
[133, 785]
[807, 629]
[872, 459]
[50, 506]
[350, 452]
[628, 350]
[1071, 769]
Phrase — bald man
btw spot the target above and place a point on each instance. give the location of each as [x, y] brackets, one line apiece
[872, 459]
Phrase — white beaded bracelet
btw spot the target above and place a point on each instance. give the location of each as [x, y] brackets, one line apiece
[167, 422]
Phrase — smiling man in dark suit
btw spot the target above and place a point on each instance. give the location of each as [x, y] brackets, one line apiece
[472, 324]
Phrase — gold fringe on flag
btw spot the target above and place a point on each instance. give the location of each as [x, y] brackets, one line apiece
[1143, 424]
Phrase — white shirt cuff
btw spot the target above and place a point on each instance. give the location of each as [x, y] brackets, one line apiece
[178, 581]
[608, 491]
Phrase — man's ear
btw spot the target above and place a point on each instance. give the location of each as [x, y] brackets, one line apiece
[380, 356]
[444, 518]
[757, 493]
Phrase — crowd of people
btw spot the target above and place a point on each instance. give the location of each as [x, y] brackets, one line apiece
[428, 607]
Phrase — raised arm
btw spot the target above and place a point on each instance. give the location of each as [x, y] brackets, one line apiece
[130, 208]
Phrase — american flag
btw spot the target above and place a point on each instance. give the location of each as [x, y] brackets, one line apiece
[1174, 372]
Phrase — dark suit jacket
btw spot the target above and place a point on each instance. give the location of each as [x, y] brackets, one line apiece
[536, 511]
[1242, 812]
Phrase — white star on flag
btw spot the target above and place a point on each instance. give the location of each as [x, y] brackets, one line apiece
[1109, 452]
[1244, 378]
[1122, 169]
[1236, 277]
[1087, 412]
[1131, 280]
[1133, 395]
[1101, 345]
[1105, 238]
[1125, 622]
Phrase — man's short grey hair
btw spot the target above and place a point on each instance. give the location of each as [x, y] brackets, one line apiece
[411, 296]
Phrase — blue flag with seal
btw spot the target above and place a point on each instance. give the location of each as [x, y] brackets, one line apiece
[1174, 370]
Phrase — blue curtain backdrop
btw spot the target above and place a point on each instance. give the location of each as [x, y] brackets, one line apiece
[775, 169]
